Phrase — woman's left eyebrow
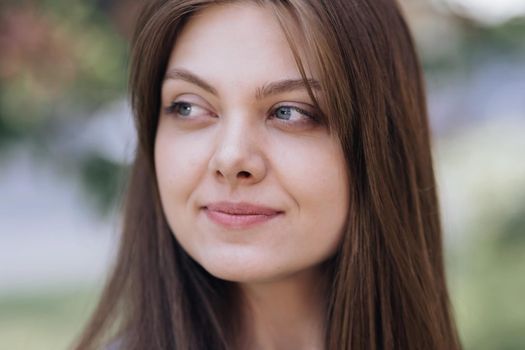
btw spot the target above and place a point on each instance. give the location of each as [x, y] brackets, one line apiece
[282, 86]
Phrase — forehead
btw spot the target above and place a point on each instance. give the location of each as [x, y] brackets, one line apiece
[236, 43]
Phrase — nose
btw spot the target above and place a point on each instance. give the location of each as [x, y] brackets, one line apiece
[238, 159]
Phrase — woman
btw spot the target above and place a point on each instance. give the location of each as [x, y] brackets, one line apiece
[282, 195]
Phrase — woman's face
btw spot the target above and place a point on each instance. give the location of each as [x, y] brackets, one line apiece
[252, 184]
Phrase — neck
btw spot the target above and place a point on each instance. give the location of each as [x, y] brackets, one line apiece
[288, 313]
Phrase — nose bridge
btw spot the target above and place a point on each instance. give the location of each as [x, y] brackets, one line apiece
[237, 156]
[234, 136]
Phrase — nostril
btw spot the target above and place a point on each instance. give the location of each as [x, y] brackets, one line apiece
[243, 174]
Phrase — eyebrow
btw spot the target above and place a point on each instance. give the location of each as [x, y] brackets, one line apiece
[269, 89]
[182, 74]
[281, 86]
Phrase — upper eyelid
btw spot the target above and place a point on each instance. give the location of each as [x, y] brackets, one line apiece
[192, 99]
[300, 105]
[175, 88]
[194, 106]
[303, 108]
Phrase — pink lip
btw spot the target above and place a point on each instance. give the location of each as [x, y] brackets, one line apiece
[239, 215]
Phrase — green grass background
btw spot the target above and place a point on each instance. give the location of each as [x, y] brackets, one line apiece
[44, 320]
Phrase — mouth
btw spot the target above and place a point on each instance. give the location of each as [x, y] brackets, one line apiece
[239, 215]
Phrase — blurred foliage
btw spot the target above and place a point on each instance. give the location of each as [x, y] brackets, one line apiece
[488, 285]
[60, 61]
[59, 58]
[104, 181]
[502, 40]
[468, 42]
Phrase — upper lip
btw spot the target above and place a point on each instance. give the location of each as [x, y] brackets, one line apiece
[241, 208]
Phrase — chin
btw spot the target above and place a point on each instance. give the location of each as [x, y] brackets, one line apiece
[247, 271]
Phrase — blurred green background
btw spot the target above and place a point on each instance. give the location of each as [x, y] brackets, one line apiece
[66, 141]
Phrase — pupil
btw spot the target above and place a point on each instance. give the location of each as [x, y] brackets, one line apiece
[184, 109]
[284, 112]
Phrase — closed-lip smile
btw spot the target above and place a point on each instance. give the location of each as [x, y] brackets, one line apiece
[239, 215]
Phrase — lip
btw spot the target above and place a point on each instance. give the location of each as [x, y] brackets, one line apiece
[239, 215]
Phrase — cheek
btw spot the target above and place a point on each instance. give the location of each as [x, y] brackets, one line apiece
[314, 172]
[314, 175]
[180, 162]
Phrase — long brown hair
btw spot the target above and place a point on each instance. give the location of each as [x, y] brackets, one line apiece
[388, 288]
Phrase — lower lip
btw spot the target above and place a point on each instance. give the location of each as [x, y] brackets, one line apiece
[238, 221]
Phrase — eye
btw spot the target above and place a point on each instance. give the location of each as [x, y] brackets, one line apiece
[293, 114]
[284, 112]
[186, 110]
[182, 108]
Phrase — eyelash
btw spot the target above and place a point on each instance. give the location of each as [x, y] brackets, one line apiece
[171, 109]
[311, 116]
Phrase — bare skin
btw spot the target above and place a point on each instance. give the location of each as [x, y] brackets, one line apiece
[285, 315]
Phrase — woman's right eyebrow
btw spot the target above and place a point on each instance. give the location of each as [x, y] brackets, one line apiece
[182, 74]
